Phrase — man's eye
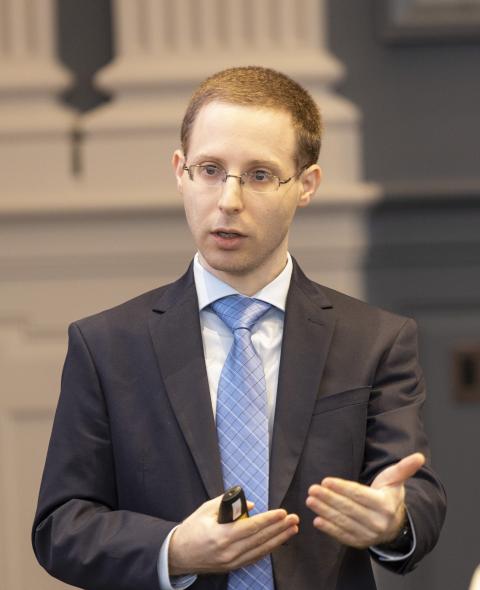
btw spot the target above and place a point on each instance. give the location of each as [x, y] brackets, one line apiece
[260, 175]
[210, 170]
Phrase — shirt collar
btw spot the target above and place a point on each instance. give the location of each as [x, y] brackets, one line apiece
[210, 288]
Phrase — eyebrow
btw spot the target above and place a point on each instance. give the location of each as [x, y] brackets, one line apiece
[250, 164]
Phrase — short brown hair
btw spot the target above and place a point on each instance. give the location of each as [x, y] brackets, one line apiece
[261, 87]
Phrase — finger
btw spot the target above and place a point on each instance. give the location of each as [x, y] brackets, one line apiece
[355, 492]
[210, 506]
[357, 536]
[263, 543]
[329, 504]
[248, 527]
[251, 548]
[326, 499]
[365, 523]
[265, 523]
[264, 533]
[399, 473]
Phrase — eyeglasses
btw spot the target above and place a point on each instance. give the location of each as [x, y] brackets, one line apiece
[210, 176]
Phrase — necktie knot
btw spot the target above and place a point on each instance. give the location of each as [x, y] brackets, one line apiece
[238, 311]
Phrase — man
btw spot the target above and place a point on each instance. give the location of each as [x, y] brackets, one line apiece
[142, 447]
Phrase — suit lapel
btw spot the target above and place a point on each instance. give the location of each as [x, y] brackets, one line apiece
[175, 331]
[308, 329]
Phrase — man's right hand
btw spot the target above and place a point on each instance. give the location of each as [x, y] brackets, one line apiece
[200, 545]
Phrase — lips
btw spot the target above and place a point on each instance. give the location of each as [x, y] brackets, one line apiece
[227, 238]
[228, 233]
[224, 234]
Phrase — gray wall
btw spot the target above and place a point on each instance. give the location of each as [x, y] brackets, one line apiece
[421, 103]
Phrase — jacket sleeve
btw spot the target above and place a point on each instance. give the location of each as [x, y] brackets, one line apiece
[79, 533]
[394, 430]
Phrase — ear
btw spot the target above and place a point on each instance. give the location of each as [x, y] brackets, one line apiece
[310, 180]
[178, 161]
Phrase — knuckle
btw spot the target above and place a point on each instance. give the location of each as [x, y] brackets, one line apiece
[378, 524]
[265, 537]
[357, 495]
[390, 510]
[255, 528]
[221, 544]
[259, 537]
[342, 521]
[226, 557]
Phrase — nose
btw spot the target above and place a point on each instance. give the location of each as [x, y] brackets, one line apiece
[231, 197]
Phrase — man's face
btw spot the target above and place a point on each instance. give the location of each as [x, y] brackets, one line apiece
[242, 235]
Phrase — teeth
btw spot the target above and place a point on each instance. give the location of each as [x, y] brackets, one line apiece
[224, 234]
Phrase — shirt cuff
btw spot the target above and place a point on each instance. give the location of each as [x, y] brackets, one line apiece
[385, 555]
[174, 582]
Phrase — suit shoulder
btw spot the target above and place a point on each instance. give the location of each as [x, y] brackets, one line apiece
[366, 326]
[348, 310]
[134, 310]
[363, 313]
[127, 313]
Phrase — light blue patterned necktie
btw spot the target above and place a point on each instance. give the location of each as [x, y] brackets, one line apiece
[242, 423]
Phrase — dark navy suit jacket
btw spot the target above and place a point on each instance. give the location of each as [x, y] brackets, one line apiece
[134, 449]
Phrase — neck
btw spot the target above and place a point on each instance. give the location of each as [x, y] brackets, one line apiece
[247, 283]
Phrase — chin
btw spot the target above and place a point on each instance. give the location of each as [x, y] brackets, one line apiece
[228, 264]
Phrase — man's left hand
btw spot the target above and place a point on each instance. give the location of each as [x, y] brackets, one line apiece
[364, 516]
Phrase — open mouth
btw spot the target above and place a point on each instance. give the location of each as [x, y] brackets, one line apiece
[225, 234]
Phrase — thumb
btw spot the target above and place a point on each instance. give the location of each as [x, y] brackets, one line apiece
[210, 506]
[398, 473]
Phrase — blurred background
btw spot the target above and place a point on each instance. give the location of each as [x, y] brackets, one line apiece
[91, 97]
